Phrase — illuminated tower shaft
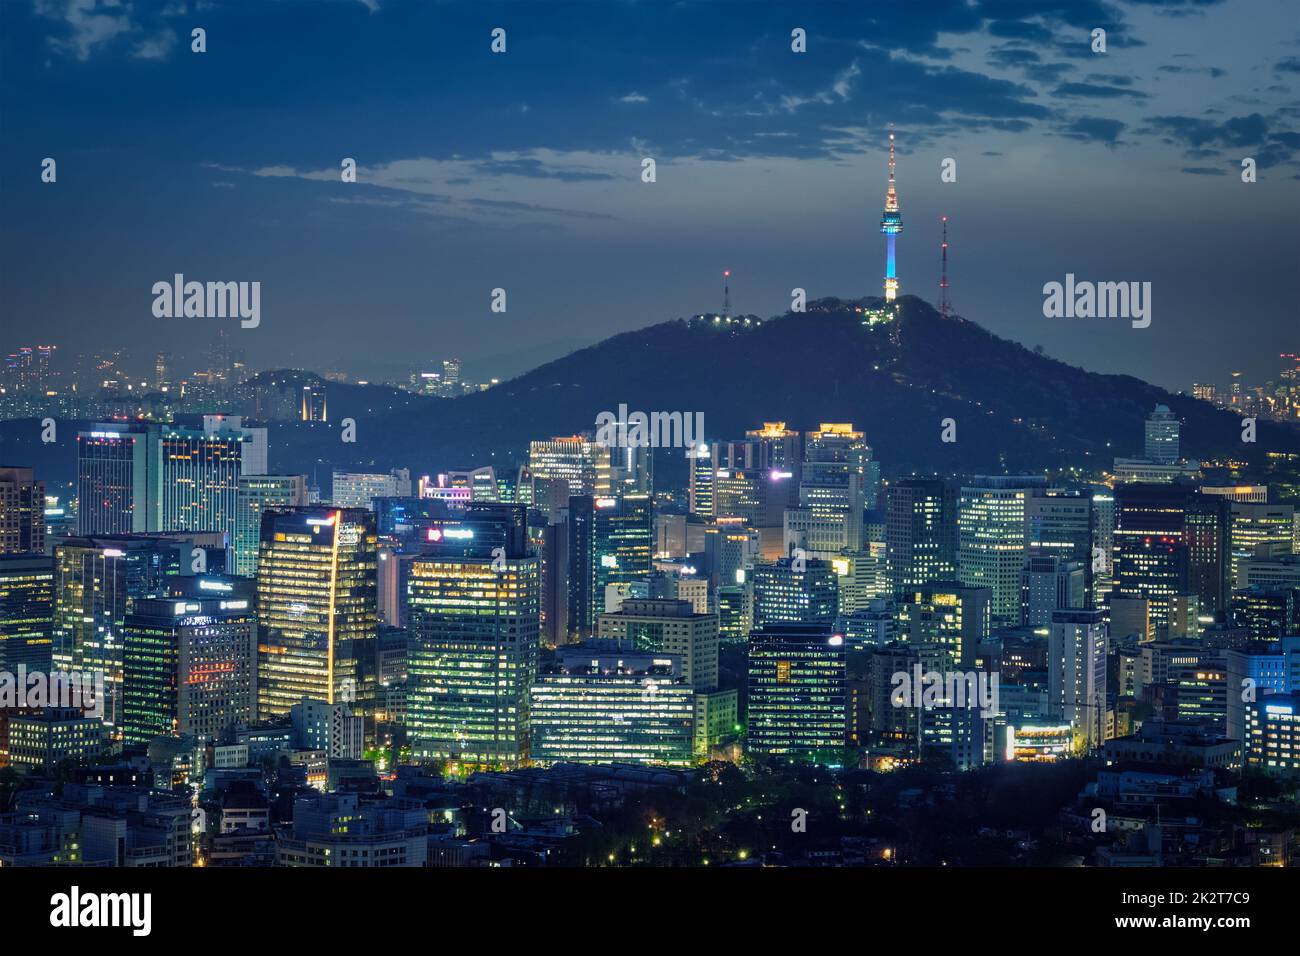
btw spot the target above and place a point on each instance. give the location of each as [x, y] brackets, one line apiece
[891, 224]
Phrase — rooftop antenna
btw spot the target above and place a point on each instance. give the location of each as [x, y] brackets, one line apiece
[945, 307]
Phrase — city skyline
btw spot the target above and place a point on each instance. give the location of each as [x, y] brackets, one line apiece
[534, 438]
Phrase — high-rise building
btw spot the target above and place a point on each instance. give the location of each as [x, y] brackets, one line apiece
[202, 459]
[472, 602]
[255, 495]
[26, 611]
[1207, 532]
[837, 465]
[1161, 437]
[190, 661]
[611, 543]
[118, 479]
[607, 704]
[992, 529]
[575, 459]
[797, 692]
[1050, 583]
[360, 489]
[1076, 673]
[795, 590]
[1273, 734]
[669, 627]
[920, 532]
[1150, 545]
[1263, 530]
[317, 594]
[948, 614]
[22, 511]
[735, 613]
[182, 476]
[97, 581]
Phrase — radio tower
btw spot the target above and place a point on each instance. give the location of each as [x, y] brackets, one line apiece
[891, 224]
[726, 293]
[945, 307]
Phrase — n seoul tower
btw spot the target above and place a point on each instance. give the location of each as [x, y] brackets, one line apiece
[891, 224]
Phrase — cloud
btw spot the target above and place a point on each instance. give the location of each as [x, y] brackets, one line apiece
[1094, 129]
[90, 23]
[1096, 90]
[634, 97]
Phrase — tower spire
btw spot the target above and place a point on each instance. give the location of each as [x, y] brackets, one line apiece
[945, 307]
[726, 293]
[891, 224]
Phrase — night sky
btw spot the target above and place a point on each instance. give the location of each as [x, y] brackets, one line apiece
[522, 170]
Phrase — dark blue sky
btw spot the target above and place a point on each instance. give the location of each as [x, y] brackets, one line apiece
[522, 170]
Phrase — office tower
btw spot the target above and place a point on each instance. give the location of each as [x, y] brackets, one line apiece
[1101, 563]
[480, 483]
[735, 613]
[703, 468]
[256, 494]
[97, 580]
[26, 611]
[190, 661]
[1273, 734]
[202, 458]
[730, 550]
[920, 532]
[954, 616]
[41, 740]
[22, 511]
[669, 627]
[555, 569]
[797, 692]
[359, 489]
[861, 577]
[1161, 439]
[933, 733]
[631, 470]
[1263, 530]
[831, 498]
[1249, 494]
[1076, 673]
[872, 625]
[118, 479]
[317, 594]
[1050, 583]
[603, 704]
[611, 543]
[779, 448]
[472, 615]
[1060, 523]
[1207, 531]
[1151, 559]
[795, 590]
[576, 460]
[319, 725]
[757, 497]
[314, 407]
[991, 541]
